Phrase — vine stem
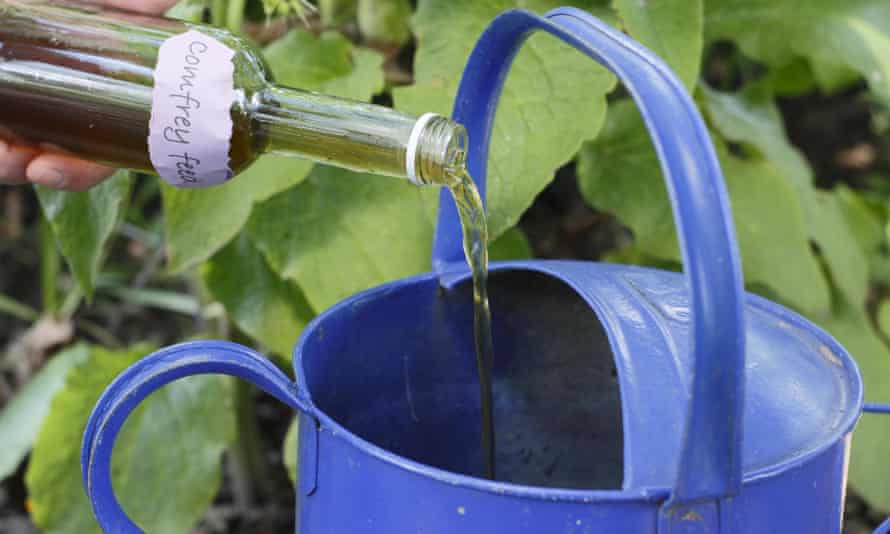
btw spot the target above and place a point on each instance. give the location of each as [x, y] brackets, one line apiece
[49, 268]
[218, 10]
[17, 309]
[248, 469]
[235, 15]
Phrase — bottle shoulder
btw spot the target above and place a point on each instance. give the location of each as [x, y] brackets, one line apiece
[251, 71]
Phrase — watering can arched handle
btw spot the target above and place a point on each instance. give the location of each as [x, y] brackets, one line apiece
[710, 466]
[123, 395]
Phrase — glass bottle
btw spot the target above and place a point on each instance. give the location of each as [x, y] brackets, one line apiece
[83, 78]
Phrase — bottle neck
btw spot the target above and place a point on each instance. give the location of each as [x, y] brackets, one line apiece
[357, 136]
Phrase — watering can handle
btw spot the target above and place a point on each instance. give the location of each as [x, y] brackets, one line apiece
[710, 465]
[123, 395]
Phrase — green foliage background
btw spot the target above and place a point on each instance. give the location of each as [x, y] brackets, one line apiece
[288, 238]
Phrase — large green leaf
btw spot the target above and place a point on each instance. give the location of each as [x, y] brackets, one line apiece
[385, 21]
[82, 223]
[166, 466]
[865, 217]
[836, 36]
[752, 119]
[619, 173]
[271, 310]
[20, 420]
[868, 473]
[334, 13]
[672, 29]
[829, 227]
[512, 245]
[199, 223]
[328, 63]
[340, 232]
[291, 441]
[554, 97]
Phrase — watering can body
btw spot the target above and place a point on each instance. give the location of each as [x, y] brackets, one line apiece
[405, 463]
[626, 399]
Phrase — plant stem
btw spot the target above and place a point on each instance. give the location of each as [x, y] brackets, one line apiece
[235, 18]
[249, 475]
[15, 308]
[218, 10]
[49, 268]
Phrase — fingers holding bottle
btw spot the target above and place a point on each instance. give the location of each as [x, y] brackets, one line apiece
[14, 161]
[151, 7]
[65, 173]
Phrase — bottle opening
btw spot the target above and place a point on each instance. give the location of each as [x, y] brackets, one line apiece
[436, 150]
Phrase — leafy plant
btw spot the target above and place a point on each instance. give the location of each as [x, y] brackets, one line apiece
[288, 238]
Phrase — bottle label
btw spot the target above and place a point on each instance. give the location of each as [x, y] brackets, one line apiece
[190, 130]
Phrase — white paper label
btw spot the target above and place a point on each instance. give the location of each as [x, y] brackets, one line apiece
[191, 129]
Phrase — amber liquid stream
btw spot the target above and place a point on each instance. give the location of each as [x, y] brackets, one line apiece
[475, 241]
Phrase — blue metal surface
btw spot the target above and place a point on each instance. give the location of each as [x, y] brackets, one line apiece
[619, 392]
[801, 405]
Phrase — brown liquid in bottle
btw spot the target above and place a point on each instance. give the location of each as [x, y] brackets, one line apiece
[96, 106]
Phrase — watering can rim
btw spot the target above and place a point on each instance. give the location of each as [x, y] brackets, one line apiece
[652, 494]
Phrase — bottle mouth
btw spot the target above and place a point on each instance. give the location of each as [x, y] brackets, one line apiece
[436, 150]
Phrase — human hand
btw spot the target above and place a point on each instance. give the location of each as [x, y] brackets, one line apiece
[22, 163]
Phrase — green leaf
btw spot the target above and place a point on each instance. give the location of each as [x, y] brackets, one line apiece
[751, 118]
[836, 37]
[619, 172]
[672, 29]
[791, 79]
[771, 228]
[328, 63]
[166, 466]
[385, 21]
[554, 97]
[854, 34]
[82, 223]
[512, 245]
[199, 223]
[336, 12]
[271, 310]
[291, 441]
[868, 473]
[761, 28]
[340, 232]
[845, 258]
[20, 420]
[299, 8]
[883, 316]
[188, 10]
[865, 218]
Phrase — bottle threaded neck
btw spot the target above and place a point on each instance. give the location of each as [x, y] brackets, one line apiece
[436, 151]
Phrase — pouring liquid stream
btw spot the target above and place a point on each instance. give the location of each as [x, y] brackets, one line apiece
[475, 242]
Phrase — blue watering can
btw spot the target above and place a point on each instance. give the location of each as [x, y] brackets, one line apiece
[620, 392]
